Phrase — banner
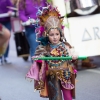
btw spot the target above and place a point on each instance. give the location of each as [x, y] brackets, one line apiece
[85, 34]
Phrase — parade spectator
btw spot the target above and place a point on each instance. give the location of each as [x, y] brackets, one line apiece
[15, 3]
[4, 39]
[27, 9]
[6, 22]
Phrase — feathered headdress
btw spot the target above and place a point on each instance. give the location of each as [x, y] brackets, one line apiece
[49, 17]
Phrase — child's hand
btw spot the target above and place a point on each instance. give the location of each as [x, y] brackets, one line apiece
[74, 54]
[74, 57]
[35, 57]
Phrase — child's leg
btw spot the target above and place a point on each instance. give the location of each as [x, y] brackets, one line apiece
[54, 88]
[66, 94]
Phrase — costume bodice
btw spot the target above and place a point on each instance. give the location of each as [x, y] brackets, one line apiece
[58, 50]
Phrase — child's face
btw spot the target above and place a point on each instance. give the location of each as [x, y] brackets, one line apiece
[54, 36]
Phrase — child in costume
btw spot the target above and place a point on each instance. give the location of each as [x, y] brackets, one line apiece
[53, 77]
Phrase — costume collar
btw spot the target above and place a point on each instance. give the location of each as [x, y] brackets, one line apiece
[55, 45]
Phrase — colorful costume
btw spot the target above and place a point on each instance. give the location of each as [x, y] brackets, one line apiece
[52, 76]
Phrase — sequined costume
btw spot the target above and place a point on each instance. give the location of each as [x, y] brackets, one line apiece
[52, 77]
[59, 74]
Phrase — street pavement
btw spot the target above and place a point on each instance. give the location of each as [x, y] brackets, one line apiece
[14, 86]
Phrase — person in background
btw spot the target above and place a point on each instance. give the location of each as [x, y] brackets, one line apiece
[27, 9]
[6, 22]
[4, 39]
[15, 3]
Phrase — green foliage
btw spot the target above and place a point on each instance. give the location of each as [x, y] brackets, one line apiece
[49, 1]
[66, 25]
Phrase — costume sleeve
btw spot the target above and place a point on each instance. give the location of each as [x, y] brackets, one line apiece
[70, 49]
[71, 53]
[41, 50]
[38, 71]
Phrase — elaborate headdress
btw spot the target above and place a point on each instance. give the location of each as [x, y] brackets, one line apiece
[49, 17]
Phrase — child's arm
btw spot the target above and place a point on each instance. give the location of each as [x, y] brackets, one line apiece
[72, 52]
[41, 51]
